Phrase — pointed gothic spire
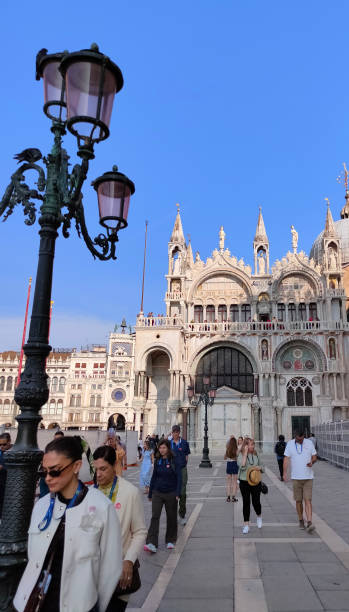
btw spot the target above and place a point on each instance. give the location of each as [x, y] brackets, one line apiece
[330, 230]
[177, 232]
[261, 234]
[190, 257]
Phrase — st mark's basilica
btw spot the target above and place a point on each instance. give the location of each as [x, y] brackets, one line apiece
[274, 341]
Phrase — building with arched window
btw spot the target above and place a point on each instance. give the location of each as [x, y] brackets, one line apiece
[273, 339]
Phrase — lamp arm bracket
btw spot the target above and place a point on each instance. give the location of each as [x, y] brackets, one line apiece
[18, 192]
[105, 242]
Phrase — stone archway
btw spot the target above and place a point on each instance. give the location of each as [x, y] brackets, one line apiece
[117, 421]
[158, 389]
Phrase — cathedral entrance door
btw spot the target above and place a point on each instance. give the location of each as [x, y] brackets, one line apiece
[230, 415]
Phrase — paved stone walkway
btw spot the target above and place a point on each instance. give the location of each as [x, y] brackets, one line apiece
[278, 568]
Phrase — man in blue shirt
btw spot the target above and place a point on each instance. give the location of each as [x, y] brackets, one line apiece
[181, 449]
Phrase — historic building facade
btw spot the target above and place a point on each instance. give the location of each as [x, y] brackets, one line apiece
[273, 339]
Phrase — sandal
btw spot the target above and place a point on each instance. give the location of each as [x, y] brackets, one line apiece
[228, 498]
[235, 499]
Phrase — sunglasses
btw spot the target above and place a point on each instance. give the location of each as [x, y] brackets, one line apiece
[53, 473]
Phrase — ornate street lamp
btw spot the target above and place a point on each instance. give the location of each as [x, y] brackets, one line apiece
[206, 397]
[79, 90]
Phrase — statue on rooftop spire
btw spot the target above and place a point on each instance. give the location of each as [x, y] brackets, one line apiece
[221, 238]
[294, 239]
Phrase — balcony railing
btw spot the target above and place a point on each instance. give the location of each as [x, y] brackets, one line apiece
[174, 295]
[231, 327]
[159, 322]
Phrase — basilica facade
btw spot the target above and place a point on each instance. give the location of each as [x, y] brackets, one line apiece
[273, 339]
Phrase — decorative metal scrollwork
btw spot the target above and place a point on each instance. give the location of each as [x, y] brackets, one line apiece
[18, 192]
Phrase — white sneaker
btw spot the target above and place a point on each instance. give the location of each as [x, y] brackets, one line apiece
[259, 522]
[183, 521]
[170, 546]
[245, 529]
[150, 548]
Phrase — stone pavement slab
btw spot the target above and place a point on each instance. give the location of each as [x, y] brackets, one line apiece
[278, 568]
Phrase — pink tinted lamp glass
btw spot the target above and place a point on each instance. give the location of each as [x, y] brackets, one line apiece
[53, 88]
[113, 201]
[82, 84]
[212, 393]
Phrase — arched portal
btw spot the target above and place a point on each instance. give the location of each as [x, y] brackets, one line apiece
[226, 366]
[117, 421]
[231, 372]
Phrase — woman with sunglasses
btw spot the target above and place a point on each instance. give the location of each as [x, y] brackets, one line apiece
[74, 540]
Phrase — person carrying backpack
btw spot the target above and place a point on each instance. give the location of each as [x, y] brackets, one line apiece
[279, 451]
[164, 490]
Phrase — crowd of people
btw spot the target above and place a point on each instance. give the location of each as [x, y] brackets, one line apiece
[88, 525]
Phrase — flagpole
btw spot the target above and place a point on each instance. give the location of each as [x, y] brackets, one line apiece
[49, 325]
[145, 252]
[24, 331]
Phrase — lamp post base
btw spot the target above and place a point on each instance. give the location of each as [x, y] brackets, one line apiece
[205, 463]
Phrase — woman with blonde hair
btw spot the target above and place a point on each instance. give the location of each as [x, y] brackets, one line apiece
[248, 458]
[232, 469]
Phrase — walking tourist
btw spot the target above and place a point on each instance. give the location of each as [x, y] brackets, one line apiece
[279, 451]
[5, 445]
[74, 545]
[129, 509]
[164, 490]
[240, 442]
[250, 482]
[146, 467]
[232, 469]
[301, 454]
[180, 448]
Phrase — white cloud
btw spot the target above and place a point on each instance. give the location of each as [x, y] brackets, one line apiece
[67, 331]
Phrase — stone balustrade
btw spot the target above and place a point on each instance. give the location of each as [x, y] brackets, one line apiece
[159, 322]
[239, 327]
[174, 295]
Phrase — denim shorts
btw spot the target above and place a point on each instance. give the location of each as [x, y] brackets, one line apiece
[232, 467]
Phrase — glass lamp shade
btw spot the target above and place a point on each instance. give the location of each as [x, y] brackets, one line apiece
[212, 392]
[206, 380]
[47, 68]
[91, 81]
[114, 191]
[190, 392]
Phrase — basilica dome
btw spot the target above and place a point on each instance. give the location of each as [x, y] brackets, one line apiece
[342, 230]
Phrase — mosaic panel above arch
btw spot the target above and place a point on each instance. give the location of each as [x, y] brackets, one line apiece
[222, 286]
[296, 287]
[297, 359]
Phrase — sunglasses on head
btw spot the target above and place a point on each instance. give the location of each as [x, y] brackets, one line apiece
[53, 473]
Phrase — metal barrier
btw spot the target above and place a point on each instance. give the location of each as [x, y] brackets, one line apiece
[333, 442]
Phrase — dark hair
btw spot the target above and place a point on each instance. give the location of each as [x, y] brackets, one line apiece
[232, 449]
[169, 450]
[6, 435]
[105, 452]
[300, 433]
[281, 438]
[59, 433]
[176, 428]
[69, 446]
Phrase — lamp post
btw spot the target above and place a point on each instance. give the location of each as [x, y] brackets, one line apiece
[79, 90]
[206, 397]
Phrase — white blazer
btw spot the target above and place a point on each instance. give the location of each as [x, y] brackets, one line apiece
[92, 560]
[130, 510]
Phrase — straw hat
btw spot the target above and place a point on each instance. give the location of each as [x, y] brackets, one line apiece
[254, 476]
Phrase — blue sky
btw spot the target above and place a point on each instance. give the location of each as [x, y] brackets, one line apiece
[227, 106]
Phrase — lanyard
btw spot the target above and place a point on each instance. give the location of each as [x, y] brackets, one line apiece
[111, 492]
[48, 516]
[301, 445]
[173, 444]
[248, 459]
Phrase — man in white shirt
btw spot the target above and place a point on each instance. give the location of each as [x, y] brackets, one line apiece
[301, 454]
